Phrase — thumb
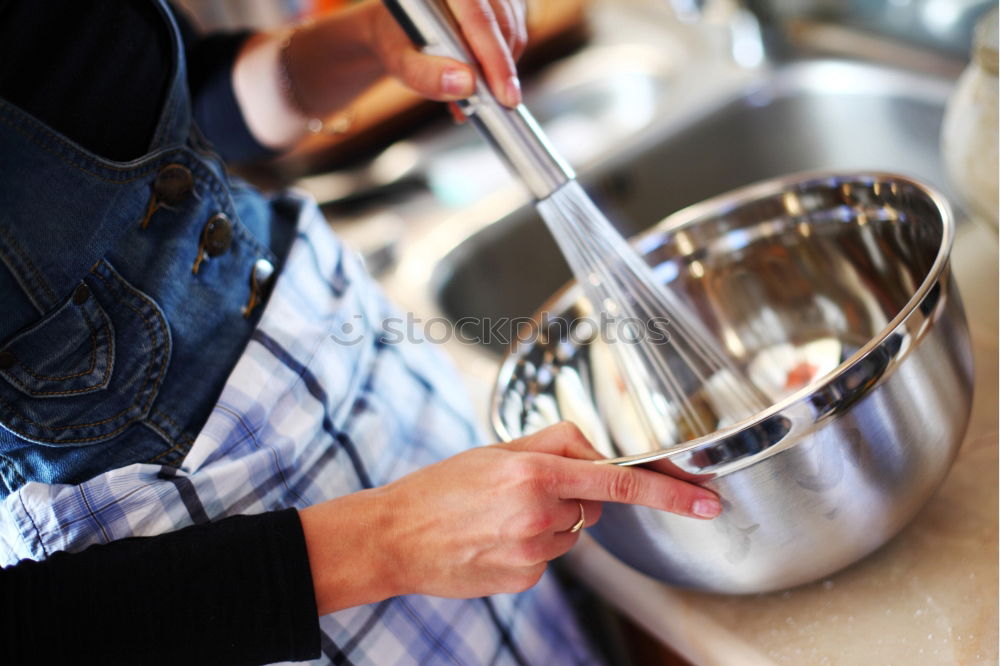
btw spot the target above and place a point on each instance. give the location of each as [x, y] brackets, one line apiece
[435, 77]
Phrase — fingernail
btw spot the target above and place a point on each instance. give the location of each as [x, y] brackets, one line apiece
[456, 82]
[513, 92]
[706, 508]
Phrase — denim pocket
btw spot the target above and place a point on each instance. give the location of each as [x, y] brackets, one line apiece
[70, 351]
[88, 369]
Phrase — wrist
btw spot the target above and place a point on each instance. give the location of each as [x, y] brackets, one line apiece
[331, 61]
[257, 78]
[349, 556]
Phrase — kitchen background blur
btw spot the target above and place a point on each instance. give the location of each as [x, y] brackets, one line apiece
[659, 104]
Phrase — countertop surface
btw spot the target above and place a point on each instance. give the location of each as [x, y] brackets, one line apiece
[928, 597]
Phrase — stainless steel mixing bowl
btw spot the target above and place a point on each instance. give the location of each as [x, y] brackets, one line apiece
[840, 281]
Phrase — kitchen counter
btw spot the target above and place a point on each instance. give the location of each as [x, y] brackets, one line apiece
[928, 597]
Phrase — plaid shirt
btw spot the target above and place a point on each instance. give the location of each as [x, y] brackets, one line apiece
[304, 418]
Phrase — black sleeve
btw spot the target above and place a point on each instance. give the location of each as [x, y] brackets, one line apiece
[210, 59]
[92, 70]
[98, 72]
[237, 591]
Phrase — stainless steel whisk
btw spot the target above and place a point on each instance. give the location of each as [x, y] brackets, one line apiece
[614, 278]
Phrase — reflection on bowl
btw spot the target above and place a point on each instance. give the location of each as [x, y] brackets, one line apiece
[833, 291]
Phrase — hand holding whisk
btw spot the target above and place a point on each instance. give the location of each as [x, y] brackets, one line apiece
[615, 280]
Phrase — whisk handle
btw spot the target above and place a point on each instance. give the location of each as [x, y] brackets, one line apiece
[513, 133]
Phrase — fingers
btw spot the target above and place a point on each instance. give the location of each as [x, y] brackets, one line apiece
[631, 485]
[546, 548]
[504, 16]
[549, 545]
[562, 439]
[495, 32]
[543, 548]
[481, 26]
[567, 514]
[438, 78]
[521, 20]
[591, 511]
[576, 476]
[434, 77]
[523, 578]
[511, 20]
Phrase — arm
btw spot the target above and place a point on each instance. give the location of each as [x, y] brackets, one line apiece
[482, 522]
[234, 591]
[248, 589]
[330, 62]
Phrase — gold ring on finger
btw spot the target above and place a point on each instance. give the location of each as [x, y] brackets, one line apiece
[578, 525]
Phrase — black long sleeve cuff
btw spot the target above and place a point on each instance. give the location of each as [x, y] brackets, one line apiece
[238, 591]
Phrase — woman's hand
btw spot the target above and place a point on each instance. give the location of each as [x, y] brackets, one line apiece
[281, 81]
[482, 522]
[496, 32]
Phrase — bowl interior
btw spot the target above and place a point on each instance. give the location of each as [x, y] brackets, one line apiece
[791, 278]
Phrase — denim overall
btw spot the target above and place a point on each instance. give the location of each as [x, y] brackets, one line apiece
[129, 291]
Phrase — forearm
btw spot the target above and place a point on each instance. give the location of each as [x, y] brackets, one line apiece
[280, 83]
[349, 555]
[327, 64]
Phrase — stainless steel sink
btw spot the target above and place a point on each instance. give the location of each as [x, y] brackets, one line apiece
[801, 116]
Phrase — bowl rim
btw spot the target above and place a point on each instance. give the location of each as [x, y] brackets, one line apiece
[714, 206]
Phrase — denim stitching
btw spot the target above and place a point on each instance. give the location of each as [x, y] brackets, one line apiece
[78, 158]
[184, 445]
[179, 440]
[137, 171]
[93, 363]
[181, 443]
[164, 332]
[63, 441]
[162, 432]
[93, 355]
[170, 421]
[149, 371]
[20, 257]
